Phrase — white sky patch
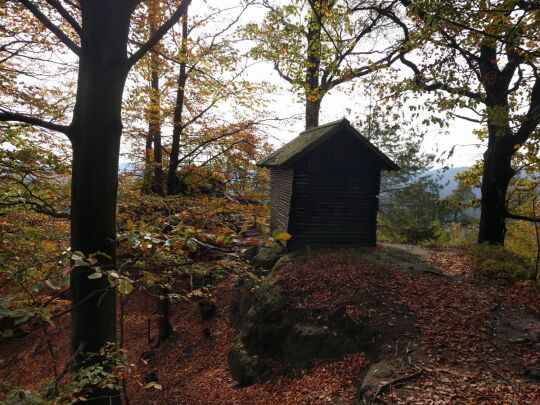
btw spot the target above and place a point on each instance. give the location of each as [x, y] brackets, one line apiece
[337, 103]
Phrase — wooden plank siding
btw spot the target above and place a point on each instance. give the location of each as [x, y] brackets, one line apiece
[324, 187]
[334, 200]
[281, 184]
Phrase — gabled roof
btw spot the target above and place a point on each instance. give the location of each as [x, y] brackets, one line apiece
[309, 139]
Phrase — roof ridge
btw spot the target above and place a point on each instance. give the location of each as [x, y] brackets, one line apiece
[325, 125]
[313, 137]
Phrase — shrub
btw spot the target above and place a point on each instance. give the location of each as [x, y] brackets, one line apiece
[499, 262]
[458, 235]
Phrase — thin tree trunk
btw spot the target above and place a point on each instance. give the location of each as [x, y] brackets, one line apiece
[313, 92]
[178, 111]
[154, 133]
[148, 160]
[154, 113]
[163, 309]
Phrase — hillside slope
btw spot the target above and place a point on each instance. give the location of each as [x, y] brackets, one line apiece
[443, 336]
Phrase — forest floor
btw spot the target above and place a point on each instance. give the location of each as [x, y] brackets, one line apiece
[458, 339]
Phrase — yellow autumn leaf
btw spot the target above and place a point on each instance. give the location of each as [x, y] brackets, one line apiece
[130, 225]
[283, 236]
[125, 287]
[153, 384]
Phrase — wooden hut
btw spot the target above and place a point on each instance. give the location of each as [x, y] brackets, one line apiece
[324, 187]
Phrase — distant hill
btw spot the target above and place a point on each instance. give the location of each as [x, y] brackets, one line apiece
[447, 181]
[446, 178]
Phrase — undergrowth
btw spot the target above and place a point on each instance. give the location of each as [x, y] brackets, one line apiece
[499, 262]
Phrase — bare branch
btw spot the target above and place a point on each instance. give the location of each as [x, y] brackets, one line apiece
[159, 33]
[26, 119]
[522, 217]
[418, 77]
[38, 208]
[532, 118]
[67, 16]
[61, 35]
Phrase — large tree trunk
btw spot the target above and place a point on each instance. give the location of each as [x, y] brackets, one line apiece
[96, 132]
[174, 158]
[313, 109]
[495, 180]
[497, 170]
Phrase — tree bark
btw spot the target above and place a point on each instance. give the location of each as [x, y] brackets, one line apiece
[495, 180]
[148, 159]
[164, 320]
[174, 158]
[313, 92]
[498, 155]
[313, 109]
[96, 130]
[154, 108]
[154, 133]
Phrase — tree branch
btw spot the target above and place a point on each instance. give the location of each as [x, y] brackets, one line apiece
[61, 35]
[6, 116]
[532, 118]
[158, 34]
[282, 74]
[522, 217]
[38, 208]
[67, 16]
[418, 77]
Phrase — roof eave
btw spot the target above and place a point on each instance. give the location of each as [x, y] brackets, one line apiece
[391, 167]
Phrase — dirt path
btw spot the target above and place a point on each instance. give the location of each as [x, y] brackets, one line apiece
[421, 251]
[479, 339]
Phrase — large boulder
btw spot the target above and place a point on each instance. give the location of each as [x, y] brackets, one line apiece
[377, 375]
[242, 299]
[286, 260]
[276, 336]
[250, 252]
[266, 257]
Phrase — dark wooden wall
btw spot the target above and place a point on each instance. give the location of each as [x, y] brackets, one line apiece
[281, 181]
[334, 200]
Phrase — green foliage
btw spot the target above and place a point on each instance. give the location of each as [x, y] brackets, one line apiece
[499, 262]
[521, 239]
[103, 373]
[316, 46]
[31, 176]
[454, 207]
[458, 235]
[410, 214]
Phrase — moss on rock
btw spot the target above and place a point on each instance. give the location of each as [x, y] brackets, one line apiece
[266, 257]
[275, 332]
